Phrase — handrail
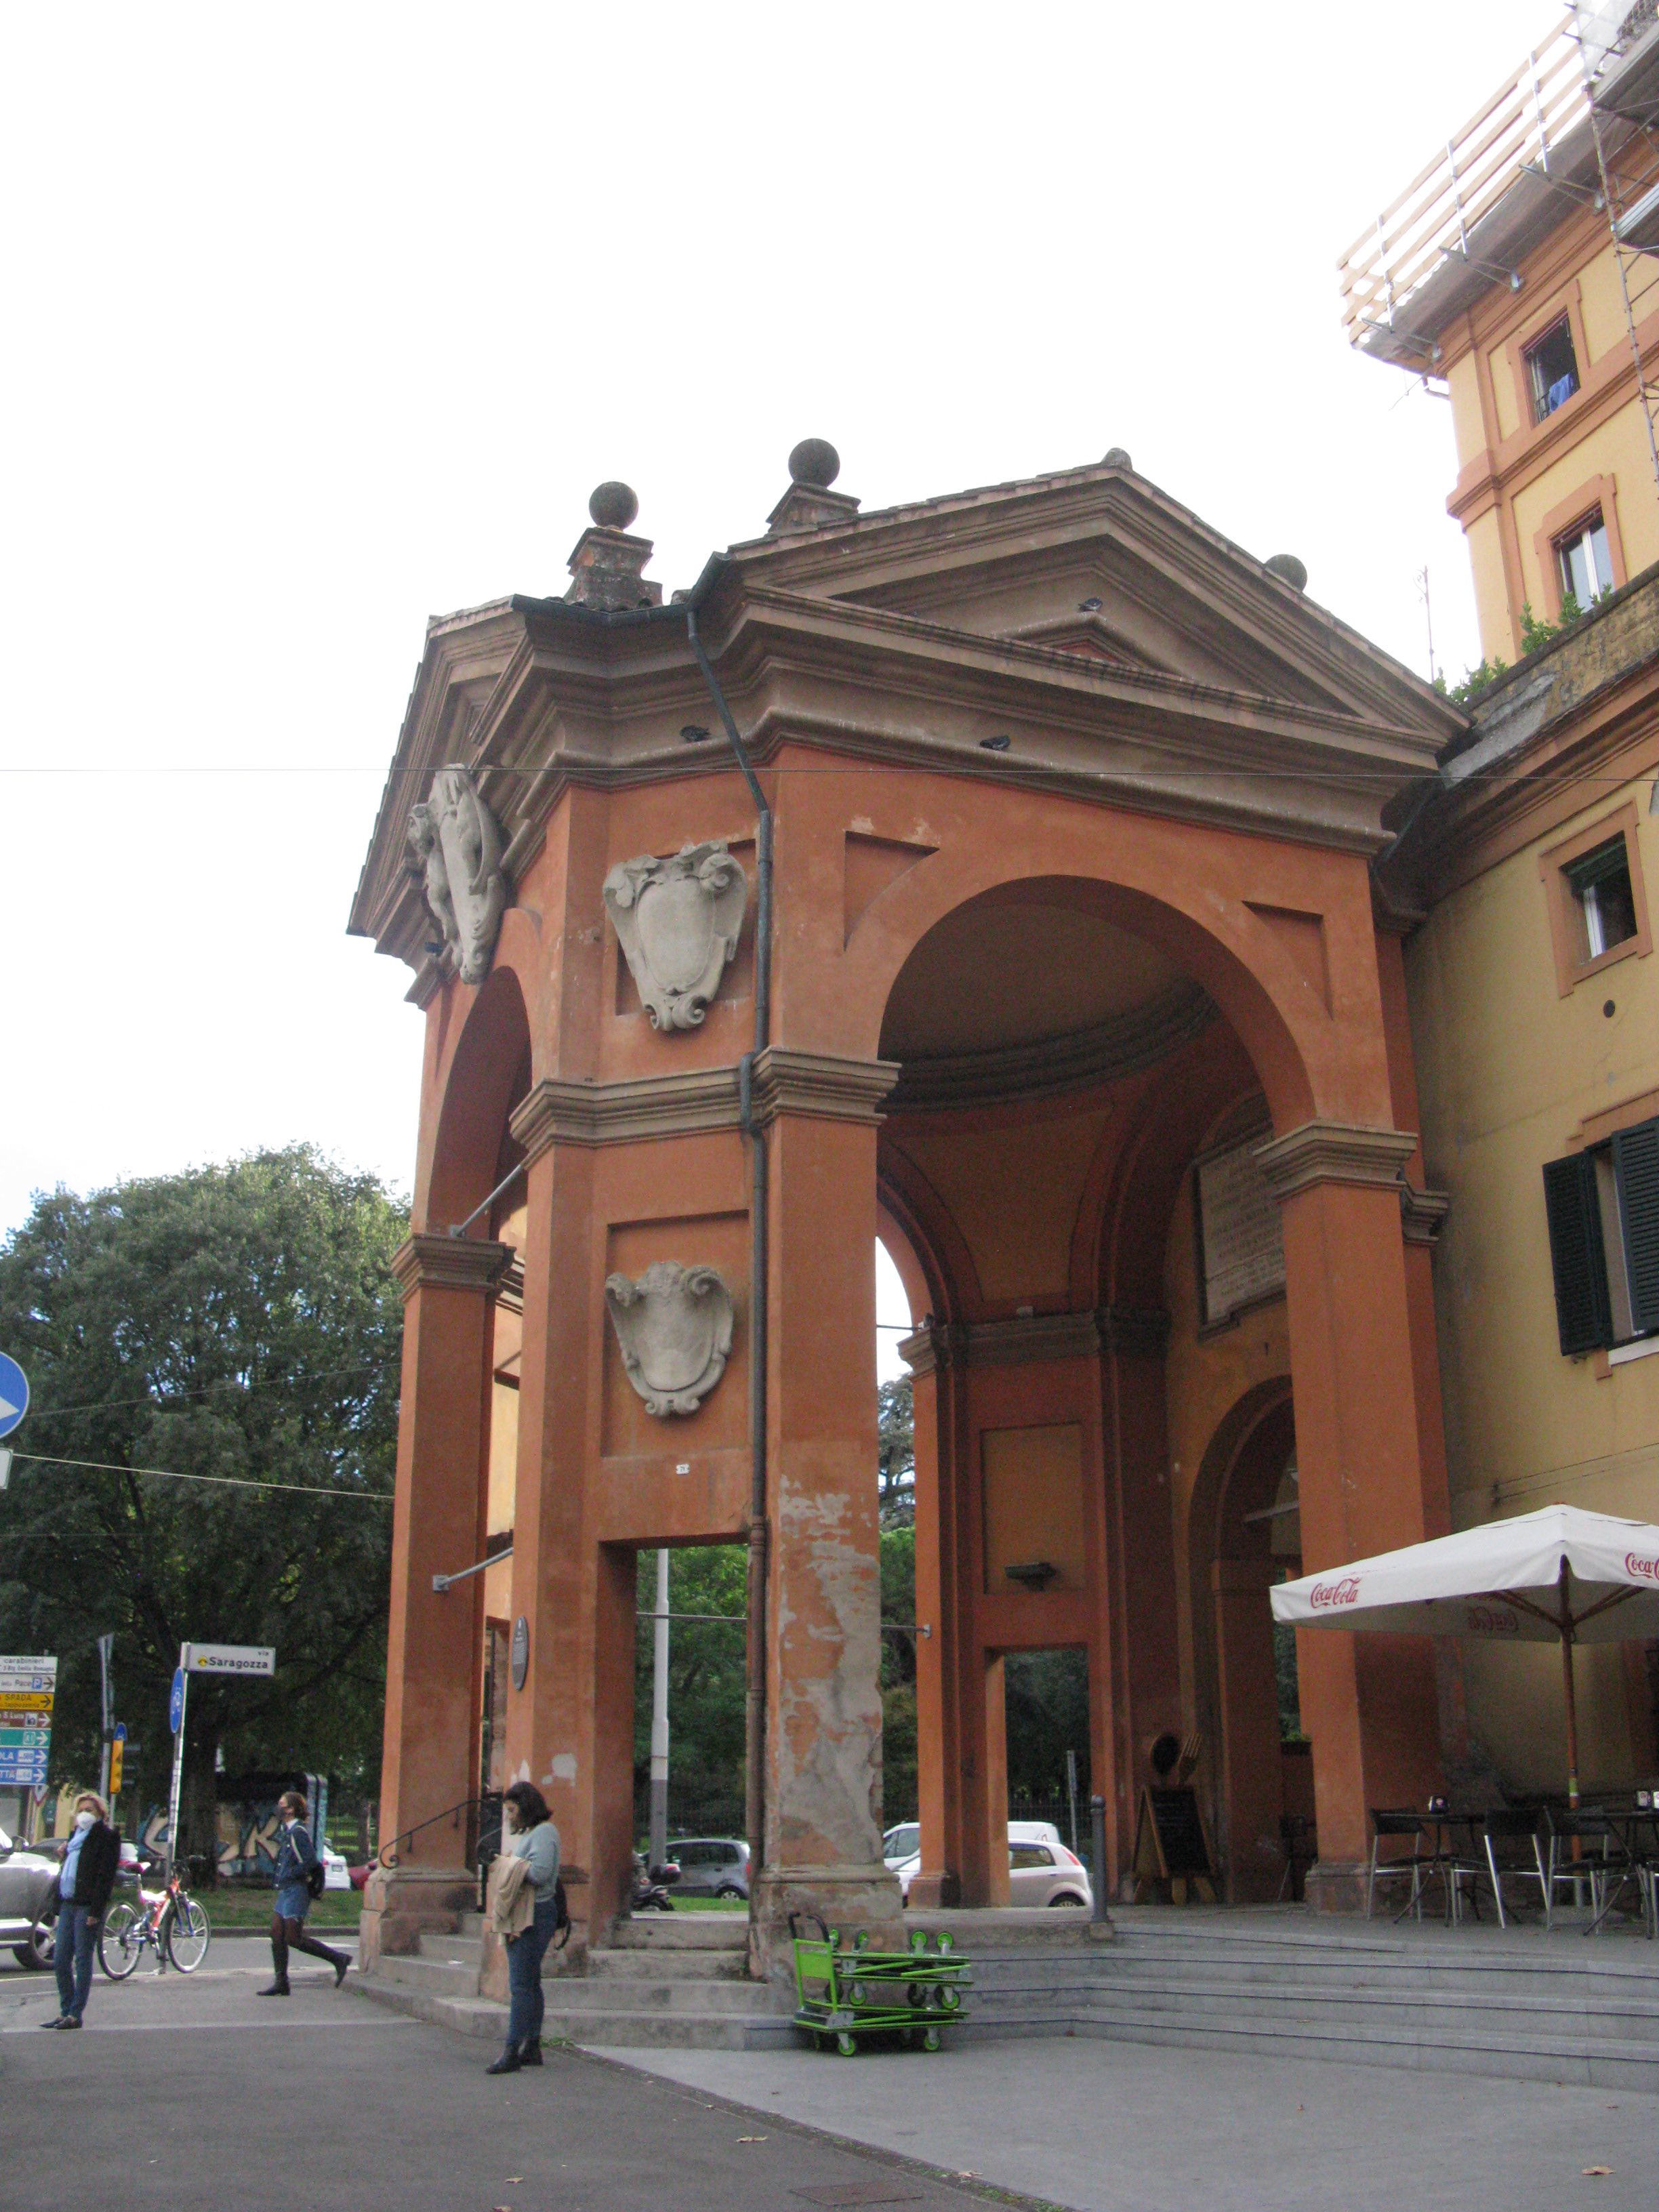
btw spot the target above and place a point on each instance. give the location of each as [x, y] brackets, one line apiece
[465, 1805]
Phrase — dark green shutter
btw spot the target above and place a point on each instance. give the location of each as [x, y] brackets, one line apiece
[1583, 1310]
[1636, 1171]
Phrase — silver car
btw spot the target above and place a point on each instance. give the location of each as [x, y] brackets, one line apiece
[1041, 1869]
[711, 1866]
[29, 1901]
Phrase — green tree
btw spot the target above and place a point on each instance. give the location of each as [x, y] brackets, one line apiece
[706, 1681]
[236, 1322]
[895, 1452]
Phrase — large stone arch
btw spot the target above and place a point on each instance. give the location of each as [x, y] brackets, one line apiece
[483, 1073]
[1187, 892]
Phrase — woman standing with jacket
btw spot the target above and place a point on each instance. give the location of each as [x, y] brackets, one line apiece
[91, 1857]
[296, 1855]
[532, 1836]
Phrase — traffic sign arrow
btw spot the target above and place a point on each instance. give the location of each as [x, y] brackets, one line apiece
[14, 1394]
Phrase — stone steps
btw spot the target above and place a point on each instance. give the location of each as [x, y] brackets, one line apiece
[1472, 2001]
[678, 1982]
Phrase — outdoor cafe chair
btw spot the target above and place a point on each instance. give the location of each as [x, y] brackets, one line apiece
[1395, 1826]
[1457, 1847]
[1603, 1861]
[1637, 1832]
[1515, 1852]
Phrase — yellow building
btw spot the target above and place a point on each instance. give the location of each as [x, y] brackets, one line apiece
[1520, 268]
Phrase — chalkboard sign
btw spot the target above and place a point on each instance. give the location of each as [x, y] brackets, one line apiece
[1170, 1844]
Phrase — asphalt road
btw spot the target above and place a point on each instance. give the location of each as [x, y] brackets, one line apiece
[194, 2094]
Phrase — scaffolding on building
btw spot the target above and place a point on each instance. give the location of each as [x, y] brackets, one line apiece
[1619, 49]
[1578, 119]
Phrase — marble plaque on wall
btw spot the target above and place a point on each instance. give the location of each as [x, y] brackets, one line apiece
[1241, 1241]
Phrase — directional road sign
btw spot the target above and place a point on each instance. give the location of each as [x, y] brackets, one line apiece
[231, 1658]
[176, 1702]
[14, 1394]
[26, 1688]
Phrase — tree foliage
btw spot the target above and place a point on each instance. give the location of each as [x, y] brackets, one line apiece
[238, 1321]
[895, 1452]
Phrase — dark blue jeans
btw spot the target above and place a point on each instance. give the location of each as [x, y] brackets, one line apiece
[524, 1954]
[75, 1938]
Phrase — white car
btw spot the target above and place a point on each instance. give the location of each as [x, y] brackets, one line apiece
[901, 1842]
[336, 1874]
[1042, 1870]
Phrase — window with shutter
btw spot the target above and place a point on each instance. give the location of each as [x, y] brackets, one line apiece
[1636, 1170]
[1583, 1310]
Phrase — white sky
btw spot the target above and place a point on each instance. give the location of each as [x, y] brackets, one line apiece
[324, 320]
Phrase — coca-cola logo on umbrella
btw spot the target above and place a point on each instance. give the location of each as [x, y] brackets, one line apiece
[1345, 1592]
[1490, 1620]
[1647, 1569]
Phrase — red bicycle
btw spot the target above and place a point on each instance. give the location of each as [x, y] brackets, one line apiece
[168, 1920]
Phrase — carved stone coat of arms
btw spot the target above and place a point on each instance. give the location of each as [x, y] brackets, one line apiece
[677, 922]
[674, 1329]
[458, 847]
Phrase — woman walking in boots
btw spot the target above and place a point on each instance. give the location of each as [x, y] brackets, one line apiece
[296, 1855]
[532, 1836]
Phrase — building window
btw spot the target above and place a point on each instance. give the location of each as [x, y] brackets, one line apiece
[1603, 899]
[1551, 369]
[1582, 563]
[1598, 902]
[1602, 1207]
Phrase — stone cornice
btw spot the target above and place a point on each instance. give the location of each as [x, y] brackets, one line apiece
[1087, 1057]
[424, 1262]
[1334, 1151]
[700, 1099]
[814, 1083]
[1130, 1331]
[1423, 1213]
[679, 1105]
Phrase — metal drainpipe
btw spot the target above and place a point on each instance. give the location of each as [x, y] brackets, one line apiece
[759, 1277]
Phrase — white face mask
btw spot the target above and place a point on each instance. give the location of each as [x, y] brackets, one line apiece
[84, 1820]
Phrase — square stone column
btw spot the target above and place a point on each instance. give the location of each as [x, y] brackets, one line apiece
[431, 1754]
[823, 1819]
[1369, 1703]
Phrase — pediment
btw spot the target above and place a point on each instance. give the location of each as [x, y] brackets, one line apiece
[1099, 563]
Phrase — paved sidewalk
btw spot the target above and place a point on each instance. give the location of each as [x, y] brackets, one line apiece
[1114, 2127]
[184, 2093]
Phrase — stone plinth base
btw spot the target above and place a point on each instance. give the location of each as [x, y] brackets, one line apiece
[1335, 1886]
[399, 1902]
[848, 1898]
[935, 1892]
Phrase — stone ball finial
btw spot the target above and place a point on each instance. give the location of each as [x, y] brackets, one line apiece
[1288, 569]
[815, 461]
[1117, 457]
[613, 506]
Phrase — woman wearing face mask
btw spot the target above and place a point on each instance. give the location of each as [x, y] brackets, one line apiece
[91, 1859]
[296, 1857]
[532, 1836]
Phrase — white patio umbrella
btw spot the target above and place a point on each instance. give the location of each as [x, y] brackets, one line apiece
[1558, 1576]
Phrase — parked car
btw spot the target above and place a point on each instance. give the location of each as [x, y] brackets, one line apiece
[29, 1901]
[712, 1866]
[1042, 1871]
[336, 1872]
[901, 1842]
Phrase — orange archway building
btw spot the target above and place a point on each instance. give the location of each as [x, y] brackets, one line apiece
[1076, 994]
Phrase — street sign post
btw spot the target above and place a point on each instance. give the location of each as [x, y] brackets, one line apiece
[245, 1659]
[14, 1394]
[27, 1687]
[106, 1653]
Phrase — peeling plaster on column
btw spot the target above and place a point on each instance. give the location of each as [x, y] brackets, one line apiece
[564, 1767]
[523, 1774]
[829, 1722]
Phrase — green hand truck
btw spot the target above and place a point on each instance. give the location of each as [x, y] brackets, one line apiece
[847, 1991]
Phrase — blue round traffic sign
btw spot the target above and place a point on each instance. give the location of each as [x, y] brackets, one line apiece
[176, 1702]
[14, 1394]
